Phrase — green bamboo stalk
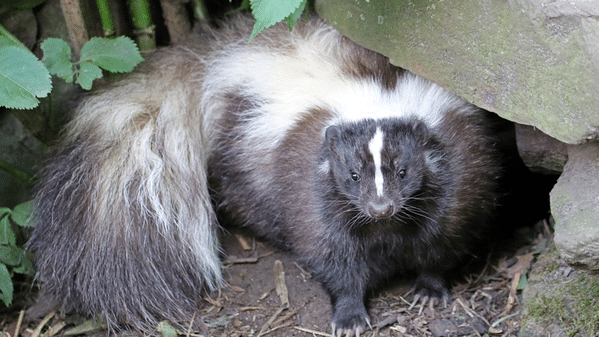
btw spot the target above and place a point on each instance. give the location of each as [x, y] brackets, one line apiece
[106, 17]
[142, 21]
[200, 12]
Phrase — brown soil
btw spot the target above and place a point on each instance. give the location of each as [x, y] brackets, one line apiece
[486, 302]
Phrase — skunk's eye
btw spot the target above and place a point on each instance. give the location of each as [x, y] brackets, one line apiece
[402, 173]
[355, 176]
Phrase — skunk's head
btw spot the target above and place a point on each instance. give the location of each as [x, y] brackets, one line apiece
[378, 165]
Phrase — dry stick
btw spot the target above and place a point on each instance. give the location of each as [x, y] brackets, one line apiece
[251, 308]
[191, 323]
[263, 331]
[53, 330]
[40, 326]
[19, 321]
[314, 332]
[280, 285]
[281, 289]
[243, 242]
[248, 259]
[278, 327]
[308, 275]
[75, 23]
[471, 312]
[286, 317]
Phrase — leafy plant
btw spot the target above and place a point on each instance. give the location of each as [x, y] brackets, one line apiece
[116, 55]
[24, 79]
[13, 257]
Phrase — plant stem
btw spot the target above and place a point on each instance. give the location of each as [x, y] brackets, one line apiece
[142, 21]
[106, 17]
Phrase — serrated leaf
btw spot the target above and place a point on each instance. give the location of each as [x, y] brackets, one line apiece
[115, 55]
[11, 255]
[57, 58]
[293, 17]
[269, 12]
[22, 78]
[21, 214]
[88, 72]
[7, 236]
[6, 287]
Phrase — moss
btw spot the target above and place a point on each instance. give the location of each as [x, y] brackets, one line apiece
[575, 305]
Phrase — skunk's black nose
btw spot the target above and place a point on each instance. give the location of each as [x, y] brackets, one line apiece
[380, 210]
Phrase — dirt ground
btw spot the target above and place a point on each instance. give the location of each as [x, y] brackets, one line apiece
[261, 280]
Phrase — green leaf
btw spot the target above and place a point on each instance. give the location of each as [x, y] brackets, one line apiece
[293, 17]
[245, 5]
[7, 236]
[115, 55]
[88, 72]
[4, 41]
[11, 255]
[269, 12]
[6, 287]
[22, 78]
[21, 214]
[523, 281]
[57, 58]
[25, 268]
[165, 329]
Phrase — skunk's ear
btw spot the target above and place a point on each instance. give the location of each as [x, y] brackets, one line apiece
[332, 136]
[420, 130]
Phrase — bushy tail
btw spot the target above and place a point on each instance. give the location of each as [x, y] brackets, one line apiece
[125, 227]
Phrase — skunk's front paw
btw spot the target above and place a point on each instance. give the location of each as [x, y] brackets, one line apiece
[430, 288]
[350, 321]
[350, 325]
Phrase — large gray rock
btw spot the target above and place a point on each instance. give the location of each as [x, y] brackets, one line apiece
[540, 153]
[575, 207]
[535, 62]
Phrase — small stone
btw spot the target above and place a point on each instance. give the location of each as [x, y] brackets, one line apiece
[443, 328]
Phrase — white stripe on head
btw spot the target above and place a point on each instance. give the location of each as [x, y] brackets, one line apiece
[376, 147]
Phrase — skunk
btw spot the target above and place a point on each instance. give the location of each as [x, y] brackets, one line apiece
[321, 147]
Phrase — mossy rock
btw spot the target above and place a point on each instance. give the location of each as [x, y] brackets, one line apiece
[559, 300]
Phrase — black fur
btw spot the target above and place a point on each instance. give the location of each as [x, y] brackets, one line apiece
[440, 218]
[126, 228]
